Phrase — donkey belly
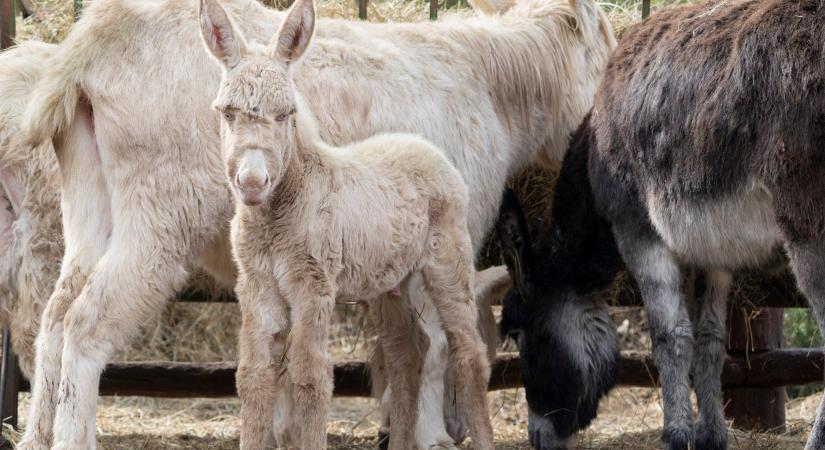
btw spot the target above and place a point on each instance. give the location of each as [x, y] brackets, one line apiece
[729, 232]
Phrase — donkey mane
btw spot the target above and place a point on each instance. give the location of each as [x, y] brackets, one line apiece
[507, 54]
[576, 247]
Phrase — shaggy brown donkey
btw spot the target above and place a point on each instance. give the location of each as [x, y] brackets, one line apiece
[705, 148]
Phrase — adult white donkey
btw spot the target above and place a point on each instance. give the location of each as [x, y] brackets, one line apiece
[127, 99]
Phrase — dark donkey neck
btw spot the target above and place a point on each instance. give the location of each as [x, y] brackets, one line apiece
[576, 248]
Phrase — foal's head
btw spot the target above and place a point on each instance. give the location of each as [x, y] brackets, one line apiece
[256, 98]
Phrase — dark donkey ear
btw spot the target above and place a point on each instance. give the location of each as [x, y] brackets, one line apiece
[514, 237]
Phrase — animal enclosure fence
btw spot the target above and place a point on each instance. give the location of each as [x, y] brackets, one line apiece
[756, 369]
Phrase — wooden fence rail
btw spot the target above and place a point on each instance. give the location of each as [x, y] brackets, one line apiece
[210, 380]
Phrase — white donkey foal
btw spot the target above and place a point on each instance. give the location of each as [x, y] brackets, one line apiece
[315, 223]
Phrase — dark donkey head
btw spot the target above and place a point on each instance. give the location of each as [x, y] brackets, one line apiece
[555, 310]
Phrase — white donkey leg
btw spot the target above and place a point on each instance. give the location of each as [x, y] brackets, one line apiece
[49, 347]
[130, 283]
[86, 226]
[709, 355]
[657, 273]
[265, 325]
[808, 264]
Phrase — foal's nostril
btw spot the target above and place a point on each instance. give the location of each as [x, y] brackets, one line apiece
[237, 179]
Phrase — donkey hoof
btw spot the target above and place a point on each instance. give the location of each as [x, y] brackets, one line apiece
[711, 439]
[443, 446]
[31, 444]
[383, 440]
[68, 446]
[677, 439]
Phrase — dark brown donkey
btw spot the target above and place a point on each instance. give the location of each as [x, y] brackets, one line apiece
[705, 148]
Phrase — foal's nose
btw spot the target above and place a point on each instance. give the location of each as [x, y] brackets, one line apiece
[249, 181]
[252, 178]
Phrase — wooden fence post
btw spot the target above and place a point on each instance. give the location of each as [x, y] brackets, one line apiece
[750, 333]
[7, 23]
[645, 9]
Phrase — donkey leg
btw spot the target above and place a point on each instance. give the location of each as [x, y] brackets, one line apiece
[87, 223]
[129, 285]
[709, 355]
[657, 272]
[49, 348]
[448, 278]
[265, 323]
[308, 363]
[399, 336]
[808, 264]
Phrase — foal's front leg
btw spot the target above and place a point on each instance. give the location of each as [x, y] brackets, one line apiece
[659, 278]
[265, 324]
[311, 297]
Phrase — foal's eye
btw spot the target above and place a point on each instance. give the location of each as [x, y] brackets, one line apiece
[280, 117]
[229, 116]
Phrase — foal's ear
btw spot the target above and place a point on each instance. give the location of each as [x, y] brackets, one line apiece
[292, 39]
[514, 236]
[221, 37]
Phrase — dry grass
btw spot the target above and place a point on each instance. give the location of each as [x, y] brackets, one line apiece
[631, 418]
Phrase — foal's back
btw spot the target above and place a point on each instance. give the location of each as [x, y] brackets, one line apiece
[385, 197]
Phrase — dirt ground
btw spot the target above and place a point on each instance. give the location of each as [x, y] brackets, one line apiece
[630, 418]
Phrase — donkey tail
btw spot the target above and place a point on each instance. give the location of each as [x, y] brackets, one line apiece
[51, 107]
[20, 69]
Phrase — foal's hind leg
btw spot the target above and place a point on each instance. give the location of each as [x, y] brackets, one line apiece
[808, 264]
[657, 273]
[447, 276]
[709, 354]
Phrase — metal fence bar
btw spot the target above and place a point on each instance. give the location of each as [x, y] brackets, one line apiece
[8, 383]
[645, 8]
[433, 9]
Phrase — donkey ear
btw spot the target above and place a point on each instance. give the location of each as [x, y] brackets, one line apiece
[514, 237]
[292, 39]
[224, 42]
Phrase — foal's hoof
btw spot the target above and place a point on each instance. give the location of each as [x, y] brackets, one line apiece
[456, 427]
[711, 439]
[678, 439]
